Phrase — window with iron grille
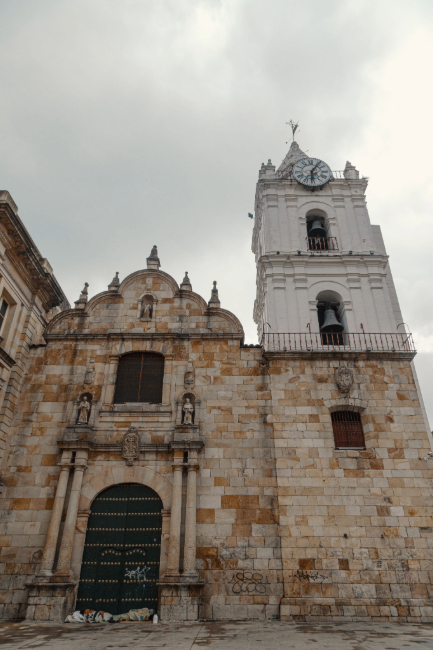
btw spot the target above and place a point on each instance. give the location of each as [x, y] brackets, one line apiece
[139, 378]
[347, 427]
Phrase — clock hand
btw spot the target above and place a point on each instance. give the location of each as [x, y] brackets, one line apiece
[315, 167]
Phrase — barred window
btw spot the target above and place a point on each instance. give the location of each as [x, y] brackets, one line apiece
[139, 378]
[347, 429]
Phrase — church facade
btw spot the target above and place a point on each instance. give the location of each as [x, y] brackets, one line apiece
[157, 461]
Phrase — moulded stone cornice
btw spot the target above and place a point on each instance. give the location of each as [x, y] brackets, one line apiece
[332, 355]
[23, 253]
[195, 297]
[64, 315]
[147, 273]
[125, 336]
[226, 315]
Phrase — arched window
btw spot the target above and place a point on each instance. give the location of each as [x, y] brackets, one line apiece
[317, 233]
[331, 317]
[139, 378]
[347, 427]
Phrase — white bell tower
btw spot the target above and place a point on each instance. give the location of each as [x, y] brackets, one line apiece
[316, 251]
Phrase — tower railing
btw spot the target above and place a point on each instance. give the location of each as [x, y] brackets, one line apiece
[338, 342]
[322, 243]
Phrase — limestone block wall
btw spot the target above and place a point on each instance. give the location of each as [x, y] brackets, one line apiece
[286, 524]
[356, 526]
[238, 544]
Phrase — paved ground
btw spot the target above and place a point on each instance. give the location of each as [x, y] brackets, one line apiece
[216, 636]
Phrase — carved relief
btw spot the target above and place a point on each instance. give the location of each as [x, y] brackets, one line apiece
[89, 377]
[189, 377]
[131, 446]
[344, 379]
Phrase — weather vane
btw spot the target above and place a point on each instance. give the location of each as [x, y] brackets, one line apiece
[294, 128]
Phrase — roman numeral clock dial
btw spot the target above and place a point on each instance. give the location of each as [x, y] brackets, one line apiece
[311, 172]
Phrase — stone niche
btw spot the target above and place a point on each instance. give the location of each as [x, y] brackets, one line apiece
[146, 307]
[183, 429]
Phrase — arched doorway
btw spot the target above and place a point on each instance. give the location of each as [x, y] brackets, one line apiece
[120, 567]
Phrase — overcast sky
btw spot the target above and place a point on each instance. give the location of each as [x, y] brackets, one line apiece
[140, 122]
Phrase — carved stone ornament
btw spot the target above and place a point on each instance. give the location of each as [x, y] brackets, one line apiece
[188, 412]
[146, 310]
[189, 377]
[89, 377]
[131, 446]
[83, 411]
[344, 379]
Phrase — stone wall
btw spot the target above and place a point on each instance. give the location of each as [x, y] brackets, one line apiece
[286, 525]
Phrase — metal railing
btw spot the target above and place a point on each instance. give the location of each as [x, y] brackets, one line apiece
[338, 342]
[322, 243]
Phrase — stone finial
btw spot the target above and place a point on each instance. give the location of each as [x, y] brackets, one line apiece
[153, 259]
[82, 300]
[186, 283]
[214, 299]
[115, 283]
[350, 171]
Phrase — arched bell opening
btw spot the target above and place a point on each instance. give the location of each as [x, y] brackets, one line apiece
[331, 317]
[120, 566]
[318, 234]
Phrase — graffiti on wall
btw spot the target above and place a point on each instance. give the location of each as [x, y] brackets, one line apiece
[247, 582]
[312, 576]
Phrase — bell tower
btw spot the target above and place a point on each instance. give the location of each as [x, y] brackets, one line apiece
[323, 276]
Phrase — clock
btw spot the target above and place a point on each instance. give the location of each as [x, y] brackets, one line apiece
[311, 172]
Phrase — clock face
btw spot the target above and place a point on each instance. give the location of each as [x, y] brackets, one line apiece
[311, 172]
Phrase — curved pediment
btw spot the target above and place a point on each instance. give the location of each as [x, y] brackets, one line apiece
[147, 301]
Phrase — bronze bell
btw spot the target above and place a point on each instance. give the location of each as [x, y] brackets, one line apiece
[331, 323]
[317, 229]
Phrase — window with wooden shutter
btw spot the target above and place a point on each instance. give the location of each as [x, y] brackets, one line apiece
[139, 378]
[348, 432]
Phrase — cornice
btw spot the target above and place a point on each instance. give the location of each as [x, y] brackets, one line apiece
[332, 355]
[127, 336]
[23, 254]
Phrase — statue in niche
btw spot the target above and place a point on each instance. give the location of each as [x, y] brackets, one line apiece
[131, 446]
[83, 411]
[188, 411]
[344, 379]
[146, 308]
[89, 377]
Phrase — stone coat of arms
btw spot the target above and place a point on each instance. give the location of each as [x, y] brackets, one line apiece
[131, 446]
[344, 379]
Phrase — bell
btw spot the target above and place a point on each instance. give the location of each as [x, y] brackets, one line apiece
[317, 229]
[331, 323]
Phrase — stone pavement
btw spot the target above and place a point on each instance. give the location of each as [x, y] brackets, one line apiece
[246, 635]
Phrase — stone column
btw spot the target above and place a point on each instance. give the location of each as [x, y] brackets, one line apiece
[64, 562]
[190, 553]
[175, 519]
[46, 570]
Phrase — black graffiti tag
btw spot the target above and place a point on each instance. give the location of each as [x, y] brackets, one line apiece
[247, 582]
[310, 577]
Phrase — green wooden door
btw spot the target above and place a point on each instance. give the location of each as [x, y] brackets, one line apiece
[120, 565]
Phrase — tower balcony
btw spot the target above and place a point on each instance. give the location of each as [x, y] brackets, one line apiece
[322, 243]
[326, 343]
